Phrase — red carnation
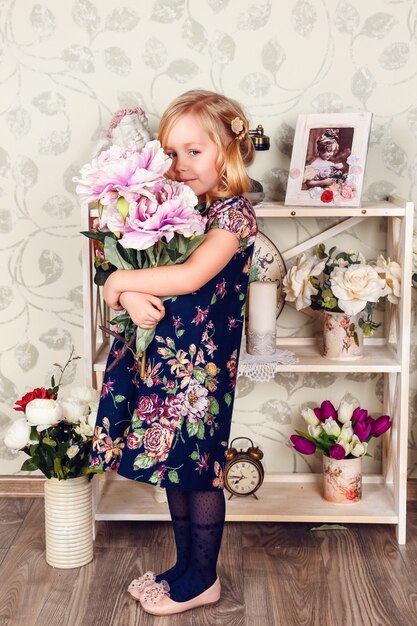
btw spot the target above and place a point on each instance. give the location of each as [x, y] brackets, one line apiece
[327, 196]
[39, 392]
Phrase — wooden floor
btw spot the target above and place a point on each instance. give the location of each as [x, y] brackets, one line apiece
[272, 574]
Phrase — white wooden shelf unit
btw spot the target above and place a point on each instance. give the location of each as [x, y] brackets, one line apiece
[295, 497]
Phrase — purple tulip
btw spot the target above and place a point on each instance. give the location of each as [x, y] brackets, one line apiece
[362, 430]
[303, 445]
[327, 410]
[317, 412]
[337, 451]
[359, 414]
[380, 425]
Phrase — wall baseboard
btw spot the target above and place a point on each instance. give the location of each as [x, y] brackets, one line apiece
[21, 486]
[32, 487]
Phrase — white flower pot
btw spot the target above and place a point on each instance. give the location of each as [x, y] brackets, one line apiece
[342, 336]
[342, 480]
[68, 522]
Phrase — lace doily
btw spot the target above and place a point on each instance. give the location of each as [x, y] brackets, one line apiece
[263, 368]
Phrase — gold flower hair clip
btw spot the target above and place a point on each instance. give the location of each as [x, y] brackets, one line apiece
[237, 125]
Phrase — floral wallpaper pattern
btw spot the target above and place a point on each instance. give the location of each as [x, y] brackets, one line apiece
[65, 67]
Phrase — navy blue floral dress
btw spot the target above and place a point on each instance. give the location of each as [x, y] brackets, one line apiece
[172, 428]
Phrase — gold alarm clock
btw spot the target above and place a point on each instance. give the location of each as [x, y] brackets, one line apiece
[243, 472]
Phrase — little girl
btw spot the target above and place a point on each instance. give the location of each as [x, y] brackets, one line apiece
[172, 428]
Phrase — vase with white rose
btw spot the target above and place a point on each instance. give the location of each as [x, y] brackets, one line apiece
[57, 436]
[344, 287]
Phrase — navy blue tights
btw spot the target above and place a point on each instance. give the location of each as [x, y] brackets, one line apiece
[198, 532]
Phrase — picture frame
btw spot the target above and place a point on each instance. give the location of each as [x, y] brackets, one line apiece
[328, 159]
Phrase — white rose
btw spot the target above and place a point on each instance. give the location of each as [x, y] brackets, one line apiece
[390, 271]
[84, 394]
[310, 417]
[297, 285]
[331, 427]
[84, 429]
[315, 431]
[73, 451]
[42, 411]
[356, 285]
[74, 410]
[358, 448]
[345, 411]
[17, 435]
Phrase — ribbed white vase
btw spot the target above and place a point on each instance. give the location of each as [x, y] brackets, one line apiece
[68, 522]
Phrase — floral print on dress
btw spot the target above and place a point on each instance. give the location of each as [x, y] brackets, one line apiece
[172, 428]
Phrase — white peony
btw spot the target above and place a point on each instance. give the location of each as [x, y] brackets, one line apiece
[356, 285]
[297, 285]
[43, 412]
[17, 435]
[73, 451]
[84, 394]
[74, 410]
[390, 271]
[345, 411]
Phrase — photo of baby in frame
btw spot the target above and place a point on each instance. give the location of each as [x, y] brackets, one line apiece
[328, 159]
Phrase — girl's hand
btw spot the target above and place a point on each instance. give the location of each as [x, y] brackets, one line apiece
[144, 309]
[111, 294]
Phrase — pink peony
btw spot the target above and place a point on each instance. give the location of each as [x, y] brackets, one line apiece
[347, 192]
[167, 210]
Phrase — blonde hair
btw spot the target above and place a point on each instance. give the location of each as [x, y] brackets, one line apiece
[215, 113]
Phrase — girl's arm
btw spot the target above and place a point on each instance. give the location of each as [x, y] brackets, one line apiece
[218, 247]
[144, 309]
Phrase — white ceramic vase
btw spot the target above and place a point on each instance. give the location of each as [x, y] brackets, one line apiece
[342, 480]
[342, 336]
[68, 522]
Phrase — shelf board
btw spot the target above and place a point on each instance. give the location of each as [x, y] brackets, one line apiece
[278, 501]
[367, 209]
[376, 358]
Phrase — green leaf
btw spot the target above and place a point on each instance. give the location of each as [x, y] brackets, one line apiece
[123, 208]
[143, 339]
[328, 527]
[199, 374]
[114, 253]
[173, 476]
[192, 428]
[228, 399]
[194, 455]
[200, 431]
[49, 442]
[143, 461]
[119, 399]
[180, 332]
[154, 478]
[29, 466]
[214, 406]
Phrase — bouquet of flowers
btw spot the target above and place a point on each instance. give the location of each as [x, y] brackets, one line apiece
[341, 434]
[55, 434]
[342, 282]
[145, 220]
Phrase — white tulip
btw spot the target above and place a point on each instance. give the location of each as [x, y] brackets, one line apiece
[346, 434]
[345, 411]
[43, 412]
[346, 445]
[74, 410]
[331, 427]
[358, 448]
[310, 417]
[73, 451]
[315, 431]
[17, 435]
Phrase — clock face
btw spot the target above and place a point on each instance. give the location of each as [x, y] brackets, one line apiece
[242, 477]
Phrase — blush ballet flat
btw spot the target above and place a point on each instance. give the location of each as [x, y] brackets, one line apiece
[139, 585]
[155, 600]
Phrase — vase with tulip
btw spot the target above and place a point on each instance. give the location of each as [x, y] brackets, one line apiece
[342, 437]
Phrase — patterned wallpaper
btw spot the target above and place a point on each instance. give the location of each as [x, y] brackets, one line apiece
[66, 66]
